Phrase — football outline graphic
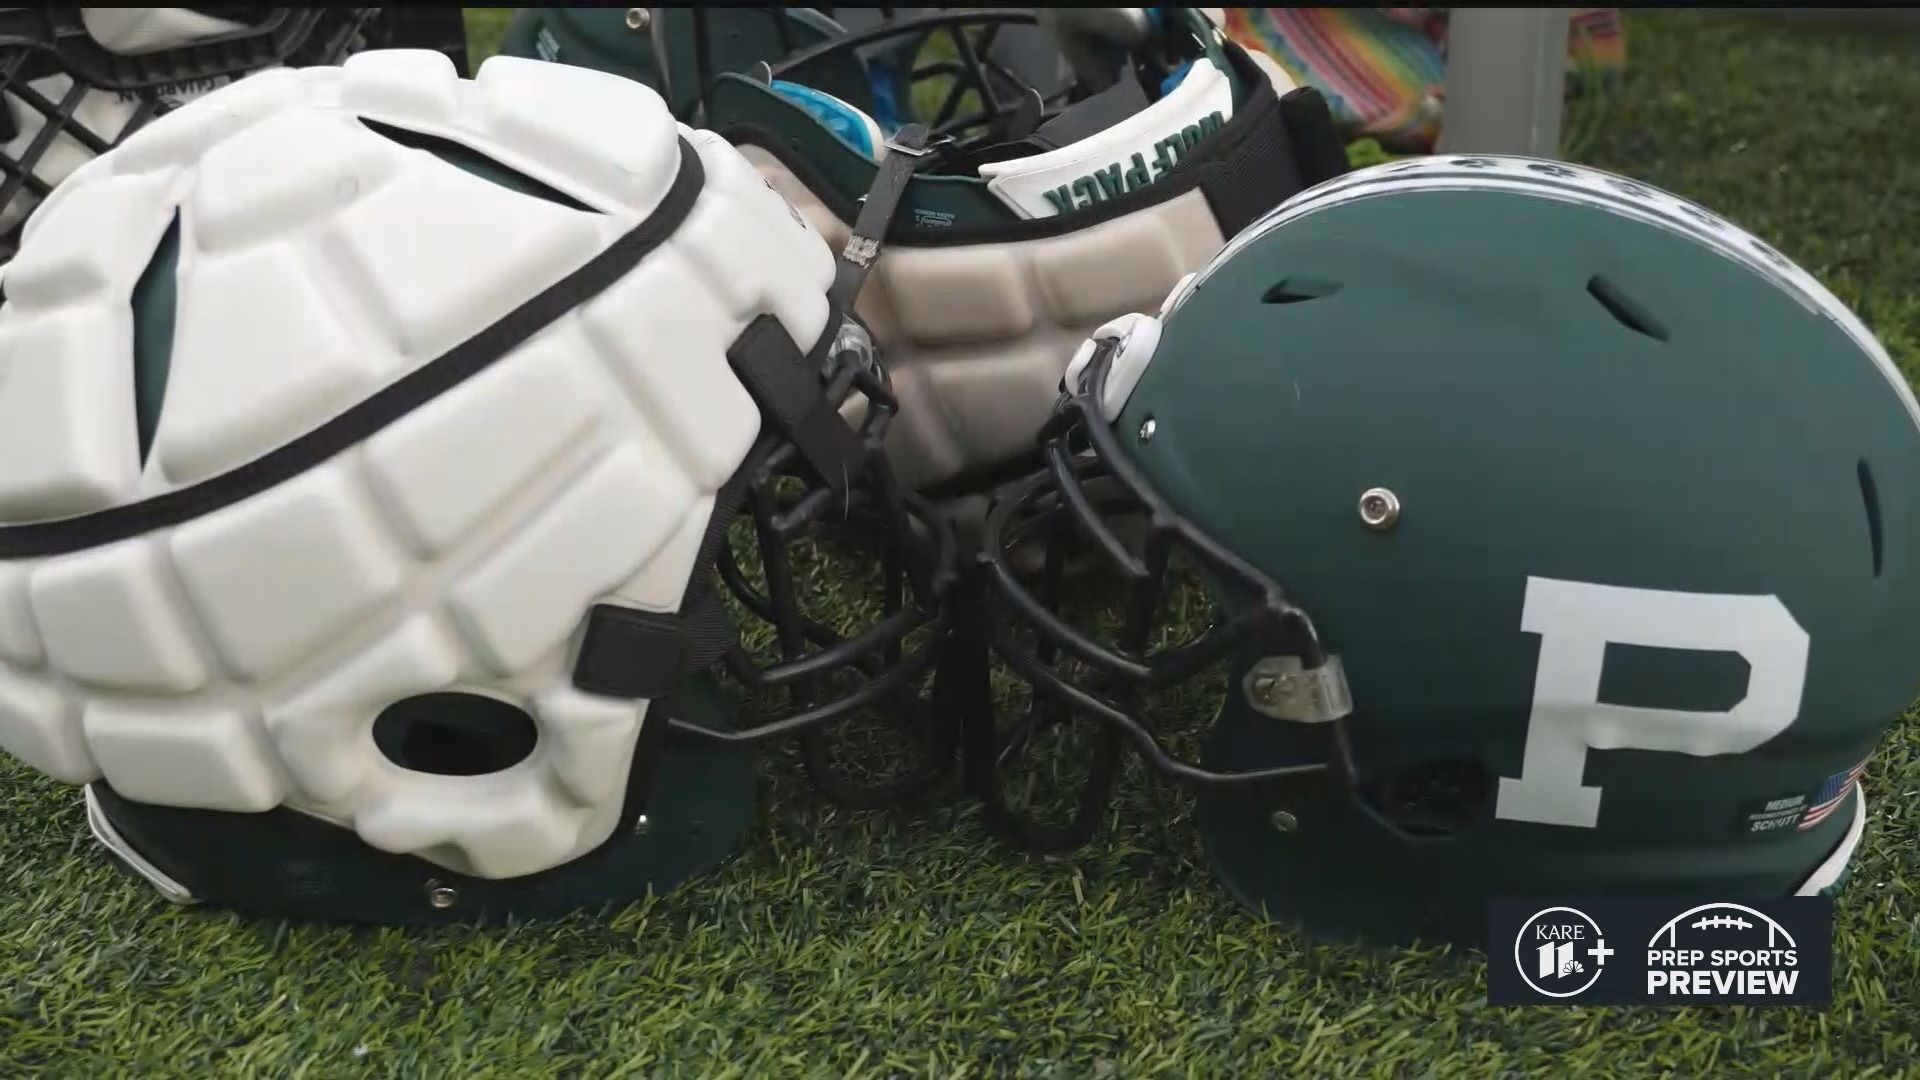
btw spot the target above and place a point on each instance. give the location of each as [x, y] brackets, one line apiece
[1671, 929]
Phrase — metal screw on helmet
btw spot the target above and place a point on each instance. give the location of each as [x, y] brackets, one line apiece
[441, 896]
[638, 19]
[1379, 508]
[1283, 821]
[1147, 428]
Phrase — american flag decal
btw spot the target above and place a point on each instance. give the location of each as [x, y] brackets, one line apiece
[1831, 796]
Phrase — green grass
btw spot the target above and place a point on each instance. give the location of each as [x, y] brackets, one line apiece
[860, 944]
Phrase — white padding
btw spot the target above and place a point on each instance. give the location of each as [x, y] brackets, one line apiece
[176, 138]
[109, 617]
[960, 295]
[67, 438]
[529, 596]
[661, 584]
[445, 252]
[976, 336]
[1080, 278]
[267, 358]
[19, 640]
[40, 726]
[417, 84]
[180, 136]
[601, 129]
[496, 825]
[131, 31]
[459, 457]
[237, 660]
[790, 280]
[92, 244]
[211, 760]
[235, 566]
[323, 83]
[323, 733]
[788, 236]
[66, 337]
[677, 372]
[249, 98]
[320, 163]
[589, 740]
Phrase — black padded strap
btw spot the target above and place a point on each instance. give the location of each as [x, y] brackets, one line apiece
[628, 653]
[788, 389]
[1316, 141]
[1288, 145]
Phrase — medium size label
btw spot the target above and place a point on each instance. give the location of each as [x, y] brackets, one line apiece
[1771, 815]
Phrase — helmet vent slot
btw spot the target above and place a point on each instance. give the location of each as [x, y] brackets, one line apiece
[465, 157]
[1624, 310]
[1299, 290]
[454, 734]
[155, 297]
[1870, 498]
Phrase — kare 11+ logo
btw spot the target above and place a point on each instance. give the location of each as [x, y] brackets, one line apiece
[1614, 951]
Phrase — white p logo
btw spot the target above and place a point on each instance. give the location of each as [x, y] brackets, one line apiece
[1576, 622]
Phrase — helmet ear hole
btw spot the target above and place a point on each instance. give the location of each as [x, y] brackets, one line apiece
[1434, 798]
[455, 734]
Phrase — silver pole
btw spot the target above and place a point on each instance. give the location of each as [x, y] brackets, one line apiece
[1506, 81]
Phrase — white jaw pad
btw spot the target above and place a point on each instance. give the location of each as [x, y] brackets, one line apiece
[1138, 337]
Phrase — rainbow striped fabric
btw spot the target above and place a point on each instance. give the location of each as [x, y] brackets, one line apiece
[1383, 70]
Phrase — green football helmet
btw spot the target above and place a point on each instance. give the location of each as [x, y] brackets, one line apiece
[1560, 537]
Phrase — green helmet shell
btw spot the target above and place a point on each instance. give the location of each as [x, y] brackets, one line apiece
[604, 39]
[1651, 591]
